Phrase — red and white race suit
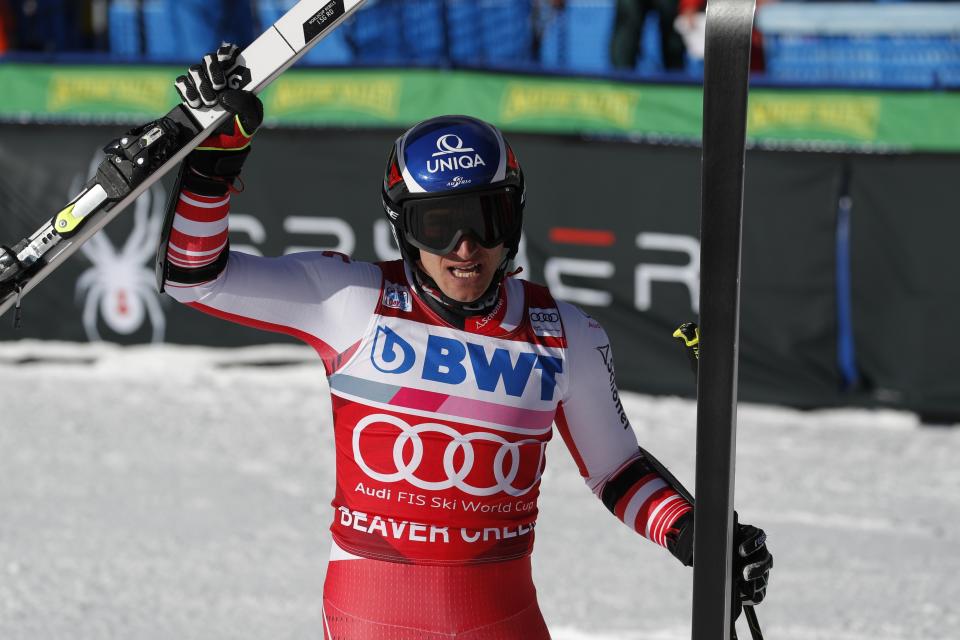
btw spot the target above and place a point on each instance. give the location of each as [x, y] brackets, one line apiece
[441, 433]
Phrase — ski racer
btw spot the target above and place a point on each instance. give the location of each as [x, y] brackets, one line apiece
[446, 376]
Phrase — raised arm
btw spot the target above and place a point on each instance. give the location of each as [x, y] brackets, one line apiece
[323, 299]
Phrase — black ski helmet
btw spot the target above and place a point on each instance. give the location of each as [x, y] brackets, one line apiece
[454, 156]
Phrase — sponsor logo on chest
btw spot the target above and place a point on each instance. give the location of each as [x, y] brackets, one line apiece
[546, 322]
[489, 365]
[397, 296]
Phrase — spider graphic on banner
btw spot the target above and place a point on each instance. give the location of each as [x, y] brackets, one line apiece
[119, 287]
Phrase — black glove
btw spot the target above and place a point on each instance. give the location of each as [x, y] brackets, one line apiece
[213, 167]
[752, 561]
[203, 83]
[680, 539]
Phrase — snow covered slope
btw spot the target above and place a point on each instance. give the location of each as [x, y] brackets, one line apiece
[172, 492]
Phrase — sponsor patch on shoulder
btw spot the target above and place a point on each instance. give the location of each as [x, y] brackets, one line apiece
[397, 296]
[546, 322]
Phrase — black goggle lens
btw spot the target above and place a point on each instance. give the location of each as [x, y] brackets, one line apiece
[436, 225]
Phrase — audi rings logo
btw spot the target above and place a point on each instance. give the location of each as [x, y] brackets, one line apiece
[409, 470]
[546, 322]
[542, 316]
[450, 143]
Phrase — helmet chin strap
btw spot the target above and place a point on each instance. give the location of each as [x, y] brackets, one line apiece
[455, 311]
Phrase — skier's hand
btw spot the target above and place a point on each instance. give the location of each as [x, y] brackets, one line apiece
[214, 166]
[208, 84]
[752, 563]
[680, 539]
[216, 163]
[203, 83]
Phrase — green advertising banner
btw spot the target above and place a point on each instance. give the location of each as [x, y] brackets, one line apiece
[814, 119]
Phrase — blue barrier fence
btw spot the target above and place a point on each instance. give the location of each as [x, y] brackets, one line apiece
[903, 49]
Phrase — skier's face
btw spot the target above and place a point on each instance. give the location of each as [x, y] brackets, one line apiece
[465, 273]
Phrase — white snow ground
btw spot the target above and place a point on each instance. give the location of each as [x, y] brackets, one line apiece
[179, 493]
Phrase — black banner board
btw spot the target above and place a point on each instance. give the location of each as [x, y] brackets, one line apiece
[610, 226]
[906, 293]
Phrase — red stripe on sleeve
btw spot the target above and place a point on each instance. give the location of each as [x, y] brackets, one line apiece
[666, 517]
[620, 510]
[671, 528]
[668, 526]
[647, 508]
[190, 262]
[203, 214]
[203, 198]
[344, 356]
[561, 421]
[197, 243]
[327, 353]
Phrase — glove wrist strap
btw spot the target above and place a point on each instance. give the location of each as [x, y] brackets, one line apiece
[206, 185]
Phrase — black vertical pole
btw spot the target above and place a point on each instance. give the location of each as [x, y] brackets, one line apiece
[445, 23]
[141, 30]
[726, 76]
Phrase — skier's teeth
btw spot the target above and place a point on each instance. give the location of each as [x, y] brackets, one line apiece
[465, 272]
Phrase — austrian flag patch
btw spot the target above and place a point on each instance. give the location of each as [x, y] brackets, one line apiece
[397, 297]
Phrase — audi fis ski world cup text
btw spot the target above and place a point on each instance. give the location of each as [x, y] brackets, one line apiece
[448, 504]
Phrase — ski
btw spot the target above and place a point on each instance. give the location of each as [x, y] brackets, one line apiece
[725, 87]
[688, 335]
[122, 177]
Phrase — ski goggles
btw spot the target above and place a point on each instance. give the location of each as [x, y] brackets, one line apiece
[437, 224]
